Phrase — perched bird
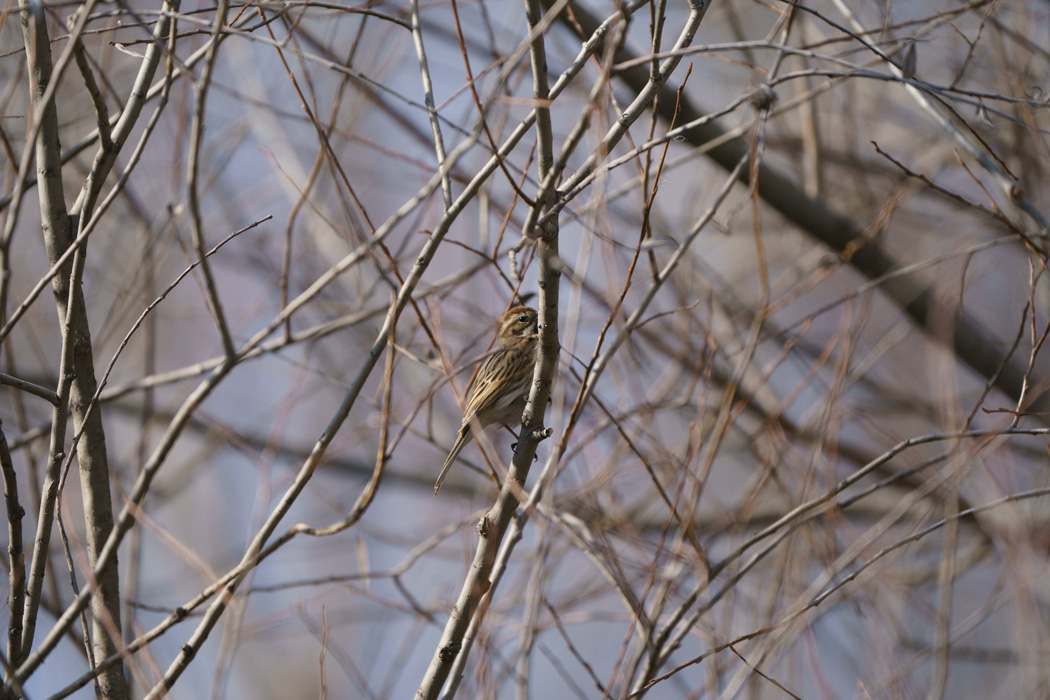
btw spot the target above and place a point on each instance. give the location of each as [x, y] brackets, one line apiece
[501, 386]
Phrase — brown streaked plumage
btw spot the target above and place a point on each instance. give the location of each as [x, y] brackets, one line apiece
[501, 386]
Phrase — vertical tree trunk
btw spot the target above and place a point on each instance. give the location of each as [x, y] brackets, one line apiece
[58, 231]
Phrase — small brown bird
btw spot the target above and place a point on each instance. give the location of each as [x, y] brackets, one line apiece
[501, 386]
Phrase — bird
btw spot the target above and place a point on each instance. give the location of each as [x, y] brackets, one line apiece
[500, 389]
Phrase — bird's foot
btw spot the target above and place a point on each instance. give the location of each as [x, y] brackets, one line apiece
[514, 449]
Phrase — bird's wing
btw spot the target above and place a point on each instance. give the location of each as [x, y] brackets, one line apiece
[501, 372]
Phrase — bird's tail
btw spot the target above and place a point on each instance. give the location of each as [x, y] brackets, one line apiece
[462, 440]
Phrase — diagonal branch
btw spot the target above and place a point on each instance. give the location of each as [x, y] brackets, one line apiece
[969, 339]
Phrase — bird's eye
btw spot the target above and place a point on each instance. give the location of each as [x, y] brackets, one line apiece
[523, 319]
